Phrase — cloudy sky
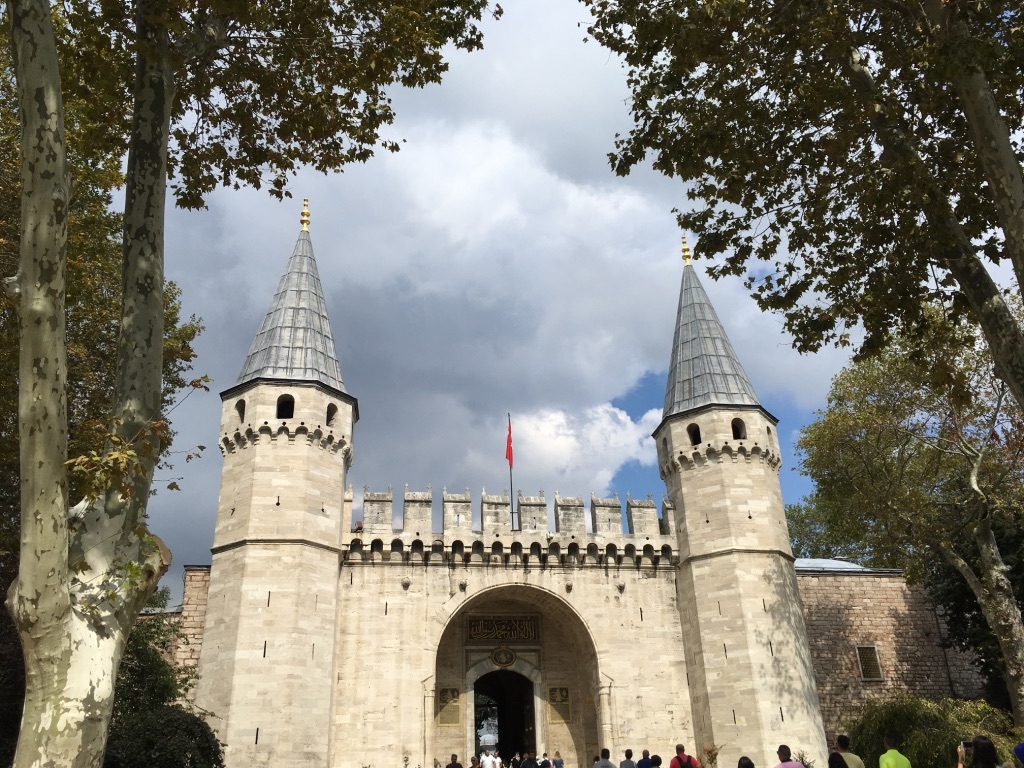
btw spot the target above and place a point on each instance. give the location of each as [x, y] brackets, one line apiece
[494, 265]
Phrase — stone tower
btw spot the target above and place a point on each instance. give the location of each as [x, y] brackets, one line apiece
[751, 679]
[286, 432]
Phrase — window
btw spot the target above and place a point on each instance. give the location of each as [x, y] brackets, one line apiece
[285, 407]
[332, 411]
[240, 410]
[739, 430]
[694, 432]
[867, 658]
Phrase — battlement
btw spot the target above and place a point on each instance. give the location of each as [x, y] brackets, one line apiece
[506, 534]
[283, 432]
[709, 453]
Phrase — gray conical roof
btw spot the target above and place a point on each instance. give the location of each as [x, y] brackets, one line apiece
[704, 369]
[295, 341]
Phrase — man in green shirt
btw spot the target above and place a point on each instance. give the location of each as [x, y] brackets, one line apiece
[892, 758]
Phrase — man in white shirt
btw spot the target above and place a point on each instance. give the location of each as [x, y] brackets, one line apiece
[487, 760]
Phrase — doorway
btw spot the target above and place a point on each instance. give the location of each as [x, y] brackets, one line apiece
[504, 719]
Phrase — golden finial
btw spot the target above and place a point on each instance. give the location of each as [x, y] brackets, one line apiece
[305, 214]
[686, 252]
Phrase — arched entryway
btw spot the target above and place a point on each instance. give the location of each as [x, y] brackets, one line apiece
[525, 657]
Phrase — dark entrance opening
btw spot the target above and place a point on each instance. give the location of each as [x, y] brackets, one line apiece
[503, 702]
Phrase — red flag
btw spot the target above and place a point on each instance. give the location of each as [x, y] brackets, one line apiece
[508, 443]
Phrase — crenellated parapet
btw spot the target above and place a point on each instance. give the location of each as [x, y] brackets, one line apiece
[242, 439]
[528, 534]
[694, 457]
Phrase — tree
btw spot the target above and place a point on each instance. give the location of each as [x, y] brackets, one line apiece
[918, 455]
[930, 730]
[218, 93]
[967, 629]
[93, 306]
[867, 154]
[150, 727]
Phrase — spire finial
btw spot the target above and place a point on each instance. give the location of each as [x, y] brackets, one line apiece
[686, 252]
[305, 214]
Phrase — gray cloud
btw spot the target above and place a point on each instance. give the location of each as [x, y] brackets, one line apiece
[493, 265]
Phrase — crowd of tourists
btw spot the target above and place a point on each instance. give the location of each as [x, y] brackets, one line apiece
[977, 753]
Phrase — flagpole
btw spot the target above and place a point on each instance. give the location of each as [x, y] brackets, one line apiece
[508, 456]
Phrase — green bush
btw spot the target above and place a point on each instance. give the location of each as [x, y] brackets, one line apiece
[929, 731]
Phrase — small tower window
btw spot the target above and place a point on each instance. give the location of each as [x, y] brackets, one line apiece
[332, 411]
[739, 430]
[285, 407]
[694, 432]
[240, 410]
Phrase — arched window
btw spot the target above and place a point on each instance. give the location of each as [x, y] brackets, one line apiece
[240, 410]
[694, 432]
[332, 411]
[397, 546]
[739, 430]
[517, 551]
[535, 550]
[497, 549]
[285, 407]
[574, 552]
[417, 547]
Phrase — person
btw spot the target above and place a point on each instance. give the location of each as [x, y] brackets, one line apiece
[983, 753]
[843, 748]
[891, 758]
[474, 762]
[683, 760]
[628, 762]
[836, 760]
[645, 761]
[516, 761]
[656, 761]
[455, 762]
[558, 762]
[544, 762]
[487, 760]
[786, 758]
[605, 762]
[529, 760]
[497, 759]
[745, 762]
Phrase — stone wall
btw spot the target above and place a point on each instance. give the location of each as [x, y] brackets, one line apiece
[876, 609]
[192, 617]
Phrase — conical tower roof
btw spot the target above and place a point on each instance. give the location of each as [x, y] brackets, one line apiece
[295, 341]
[704, 369]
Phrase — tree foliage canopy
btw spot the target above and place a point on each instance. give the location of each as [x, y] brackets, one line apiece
[930, 731]
[151, 727]
[919, 456]
[263, 88]
[856, 161]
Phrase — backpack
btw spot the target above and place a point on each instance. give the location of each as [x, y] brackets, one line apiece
[677, 763]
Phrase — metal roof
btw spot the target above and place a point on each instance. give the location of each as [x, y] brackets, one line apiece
[295, 341]
[704, 369]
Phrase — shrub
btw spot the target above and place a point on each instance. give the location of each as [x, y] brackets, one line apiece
[930, 731]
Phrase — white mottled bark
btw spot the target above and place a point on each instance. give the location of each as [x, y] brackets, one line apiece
[84, 573]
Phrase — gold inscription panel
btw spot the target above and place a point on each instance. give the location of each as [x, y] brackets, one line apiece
[559, 708]
[503, 629]
[448, 710]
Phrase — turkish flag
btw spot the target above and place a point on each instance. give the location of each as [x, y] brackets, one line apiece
[508, 443]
